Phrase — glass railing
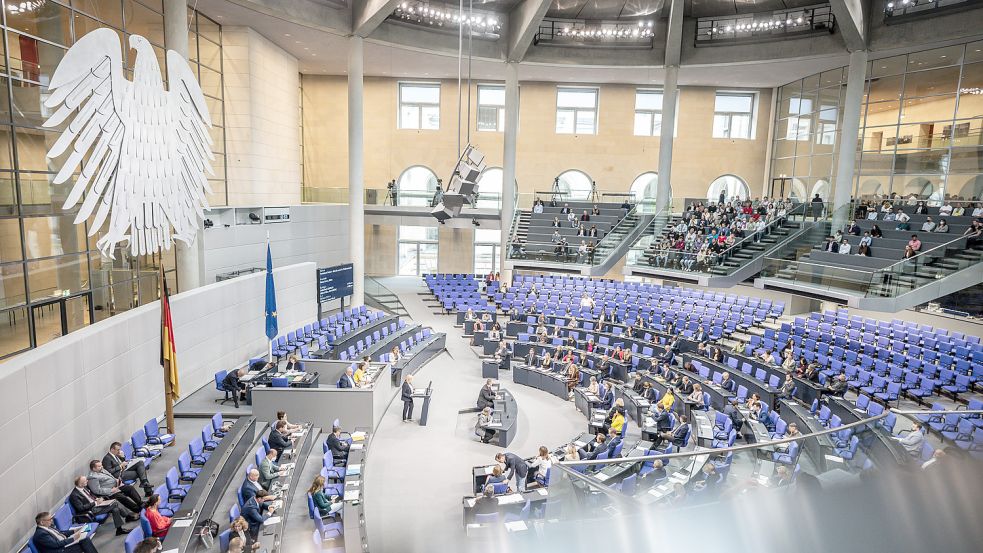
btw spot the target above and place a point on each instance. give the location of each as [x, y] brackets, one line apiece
[646, 479]
[903, 276]
[385, 297]
[583, 250]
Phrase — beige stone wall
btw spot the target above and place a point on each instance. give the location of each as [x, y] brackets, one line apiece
[613, 157]
[455, 253]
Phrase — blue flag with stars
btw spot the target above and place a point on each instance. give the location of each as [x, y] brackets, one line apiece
[271, 326]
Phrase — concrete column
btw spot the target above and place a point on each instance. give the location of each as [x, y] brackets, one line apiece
[356, 183]
[508, 158]
[190, 259]
[669, 94]
[849, 130]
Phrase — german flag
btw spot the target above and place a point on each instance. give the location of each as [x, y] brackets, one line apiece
[168, 353]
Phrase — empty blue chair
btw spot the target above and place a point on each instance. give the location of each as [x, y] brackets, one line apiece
[198, 454]
[206, 438]
[132, 539]
[140, 445]
[186, 472]
[234, 512]
[223, 540]
[175, 490]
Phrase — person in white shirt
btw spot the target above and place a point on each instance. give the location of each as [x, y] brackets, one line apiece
[936, 456]
[902, 216]
[844, 247]
[946, 209]
[556, 236]
[538, 208]
[542, 462]
[582, 251]
[866, 240]
[978, 211]
[586, 301]
[928, 225]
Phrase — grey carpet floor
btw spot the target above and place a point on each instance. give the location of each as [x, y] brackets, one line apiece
[416, 476]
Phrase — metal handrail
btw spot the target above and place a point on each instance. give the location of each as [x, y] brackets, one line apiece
[920, 254]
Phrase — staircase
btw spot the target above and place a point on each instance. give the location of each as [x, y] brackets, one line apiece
[380, 297]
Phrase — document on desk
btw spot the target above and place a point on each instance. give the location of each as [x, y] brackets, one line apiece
[516, 526]
[579, 443]
[358, 436]
[351, 495]
[287, 466]
[356, 447]
[543, 491]
[353, 470]
[510, 499]
[180, 522]
[271, 521]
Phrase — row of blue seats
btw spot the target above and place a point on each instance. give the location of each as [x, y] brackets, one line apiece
[842, 318]
[376, 337]
[328, 328]
[958, 344]
[965, 430]
[407, 345]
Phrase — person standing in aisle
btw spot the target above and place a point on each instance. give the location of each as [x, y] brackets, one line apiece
[406, 394]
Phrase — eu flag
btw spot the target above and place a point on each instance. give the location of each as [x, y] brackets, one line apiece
[271, 326]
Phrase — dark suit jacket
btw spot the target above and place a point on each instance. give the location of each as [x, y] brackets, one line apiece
[679, 433]
[662, 421]
[338, 447]
[112, 466]
[346, 382]
[729, 385]
[248, 490]
[406, 392]
[46, 542]
[486, 398]
[516, 464]
[278, 442]
[252, 511]
[231, 382]
[81, 504]
[607, 400]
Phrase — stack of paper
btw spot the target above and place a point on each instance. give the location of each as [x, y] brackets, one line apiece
[271, 521]
[358, 436]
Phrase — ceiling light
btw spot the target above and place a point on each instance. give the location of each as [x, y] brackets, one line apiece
[890, 5]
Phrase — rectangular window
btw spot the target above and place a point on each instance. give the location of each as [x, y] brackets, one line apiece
[576, 111]
[487, 250]
[491, 108]
[416, 250]
[799, 122]
[419, 106]
[648, 112]
[826, 131]
[733, 114]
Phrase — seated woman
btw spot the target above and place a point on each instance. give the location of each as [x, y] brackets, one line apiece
[541, 463]
[481, 426]
[547, 361]
[592, 387]
[469, 315]
[326, 506]
[159, 524]
[395, 355]
[571, 453]
[573, 378]
[696, 397]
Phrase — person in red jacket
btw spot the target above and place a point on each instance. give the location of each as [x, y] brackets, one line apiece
[159, 524]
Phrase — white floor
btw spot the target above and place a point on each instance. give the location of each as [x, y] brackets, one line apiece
[416, 476]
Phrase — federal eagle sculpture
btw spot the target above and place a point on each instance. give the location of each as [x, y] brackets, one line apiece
[143, 151]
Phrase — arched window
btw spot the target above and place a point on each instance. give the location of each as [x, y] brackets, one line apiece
[490, 188]
[644, 187]
[822, 188]
[576, 184]
[972, 189]
[871, 187]
[416, 186]
[798, 190]
[732, 187]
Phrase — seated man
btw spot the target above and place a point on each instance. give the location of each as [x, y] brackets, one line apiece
[104, 485]
[481, 426]
[347, 380]
[486, 503]
[678, 434]
[268, 470]
[121, 469]
[280, 440]
[88, 506]
[251, 485]
[235, 386]
[252, 511]
[47, 538]
[337, 446]
[591, 450]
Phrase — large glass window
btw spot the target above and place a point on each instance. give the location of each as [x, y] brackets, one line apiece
[53, 280]
[487, 250]
[416, 186]
[730, 187]
[416, 250]
[575, 185]
[576, 110]
[648, 112]
[644, 187]
[490, 188]
[733, 114]
[419, 106]
[491, 108]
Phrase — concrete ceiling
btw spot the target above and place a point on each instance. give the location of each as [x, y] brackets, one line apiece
[608, 10]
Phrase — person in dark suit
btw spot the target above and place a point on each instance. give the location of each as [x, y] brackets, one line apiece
[649, 393]
[516, 466]
[279, 439]
[486, 397]
[678, 434]
[591, 450]
[116, 465]
[47, 538]
[251, 486]
[88, 506]
[504, 355]
[347, 380]
[701, 335]
[486, 503]
[607, 396]
[253, 511]
[406, 394]
[337, 446]
[234, 385]
[663, 423]
[727, 383]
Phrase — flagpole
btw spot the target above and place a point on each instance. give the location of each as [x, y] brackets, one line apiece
[269, 269]
[166, 366]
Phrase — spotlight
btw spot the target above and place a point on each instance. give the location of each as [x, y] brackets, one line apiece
[890, 5]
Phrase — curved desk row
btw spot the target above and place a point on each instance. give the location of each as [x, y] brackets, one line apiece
[505, 417]
[547, 381]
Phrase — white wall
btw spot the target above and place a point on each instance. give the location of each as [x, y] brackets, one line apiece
[262, 114]
[63, 403]
[317, 233]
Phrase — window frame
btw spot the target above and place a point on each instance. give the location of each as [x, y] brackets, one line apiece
[418, 105]
[752, 127]
[499, 109]
[496, 251]
[575, 111]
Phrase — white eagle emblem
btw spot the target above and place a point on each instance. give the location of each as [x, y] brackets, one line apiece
[143, 151]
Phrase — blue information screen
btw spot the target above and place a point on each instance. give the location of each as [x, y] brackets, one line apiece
[335, 282]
